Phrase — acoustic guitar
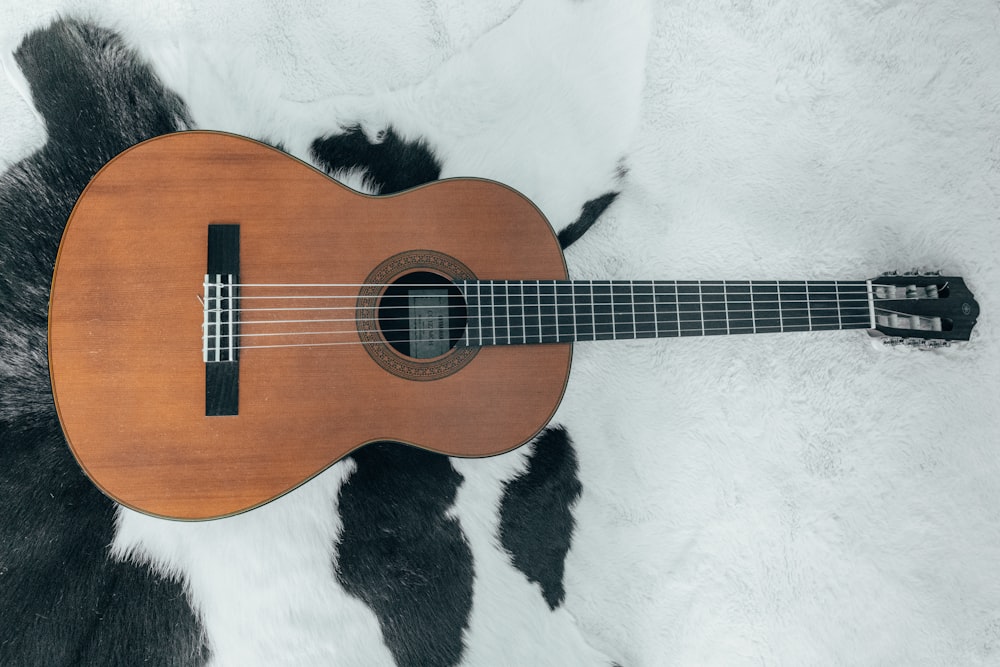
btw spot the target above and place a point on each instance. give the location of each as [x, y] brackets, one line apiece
[225, 321]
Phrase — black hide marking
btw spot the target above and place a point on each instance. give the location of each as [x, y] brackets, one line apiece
[592, 210]
[97, 100]
[63, 601]
[391, 164]
[402, 555]
[536, 513]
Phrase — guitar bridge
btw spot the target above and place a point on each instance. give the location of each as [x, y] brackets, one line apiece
[220, 327]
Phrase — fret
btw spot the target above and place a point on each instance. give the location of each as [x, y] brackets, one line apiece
[531, 312]
[739, 308]
[565, 317]
[809, 312]
[472, 318]
[644, 309]
[781, 314]
[547, 300]
[824, 306]
[840, 317]
[689, 309]
[794, 306]
[515, 313]
[753, 313]
[767, 311]
[604, 321]
[538, 291]
[701, 308]
[631, 300]
[714, 308]
[677, 307]
[725, 302]
[486, 298]
[853, 301]
[621, 301]
[583, 308]
[593, 311]
[665, 304]
[501, 317]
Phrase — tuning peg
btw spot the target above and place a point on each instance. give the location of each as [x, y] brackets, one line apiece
[892, 340]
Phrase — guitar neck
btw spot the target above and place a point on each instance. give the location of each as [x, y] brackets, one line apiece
[508, 312]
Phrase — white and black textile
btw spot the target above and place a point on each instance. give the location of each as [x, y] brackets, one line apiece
[774, 499]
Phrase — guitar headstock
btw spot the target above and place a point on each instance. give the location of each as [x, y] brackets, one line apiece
[923, 309]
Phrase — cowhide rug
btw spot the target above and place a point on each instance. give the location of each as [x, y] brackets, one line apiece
[781, 499]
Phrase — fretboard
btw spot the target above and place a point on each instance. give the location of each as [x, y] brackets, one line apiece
[507, 312]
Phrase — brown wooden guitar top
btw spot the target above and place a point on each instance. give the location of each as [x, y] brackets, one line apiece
[125, 325]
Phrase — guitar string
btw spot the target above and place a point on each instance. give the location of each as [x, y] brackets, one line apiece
[812, 310]
[860, 317]
[544, 339]
[806, 296]
[511, 331]
[507, 310]
[581, 282]
[728, 313]
[557, 335]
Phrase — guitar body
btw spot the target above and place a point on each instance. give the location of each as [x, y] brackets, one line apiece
[126, 324]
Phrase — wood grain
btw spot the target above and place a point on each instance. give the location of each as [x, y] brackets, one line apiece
[125, 325]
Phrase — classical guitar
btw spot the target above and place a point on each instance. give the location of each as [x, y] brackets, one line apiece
[225, 322]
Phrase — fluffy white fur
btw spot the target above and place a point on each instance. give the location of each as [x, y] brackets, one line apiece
[798, 499]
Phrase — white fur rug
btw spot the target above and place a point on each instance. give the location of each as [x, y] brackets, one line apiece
[781, 499]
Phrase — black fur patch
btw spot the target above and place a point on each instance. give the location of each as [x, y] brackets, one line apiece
[63, 601]
[97, 100]
[592, 210]
[391, 164]
[536, 513]
[401, 554]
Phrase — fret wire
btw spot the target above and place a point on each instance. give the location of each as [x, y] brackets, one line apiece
[479, 308]
[808, 304]
[753, 314]
[836, 288]
[593, 308]
[677, 307]
[515, 303]
[781, 309]
[505, 288]
[725, 300]
[577, 333]
[555, 310]
[493, 319]
[525, 300]
[611, 310]
[656, 318]
[539, 312]
[631, 294]
[701, 308]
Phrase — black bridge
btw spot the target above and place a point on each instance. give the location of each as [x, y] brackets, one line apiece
[220, 328]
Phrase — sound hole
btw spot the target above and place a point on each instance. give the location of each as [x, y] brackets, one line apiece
[422, 315]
